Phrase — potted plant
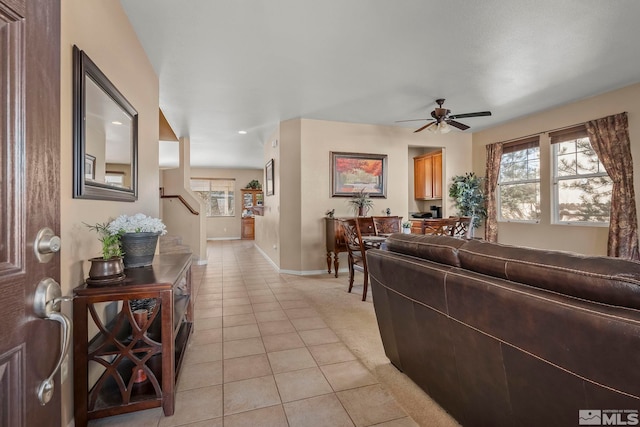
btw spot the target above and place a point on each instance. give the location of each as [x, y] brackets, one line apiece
[467, 192]
[406, 227]
[254, 185]
[138, 236]
[109, 267]
[361, 202]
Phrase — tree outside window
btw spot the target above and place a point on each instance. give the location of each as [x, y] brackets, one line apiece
[581, 184]
[218, 195]
[519, 183]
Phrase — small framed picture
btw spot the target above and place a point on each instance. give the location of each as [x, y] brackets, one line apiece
[268, 170]
[89, 166]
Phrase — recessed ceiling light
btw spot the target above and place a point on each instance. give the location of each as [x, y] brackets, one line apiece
[115, 122]
[242, 132]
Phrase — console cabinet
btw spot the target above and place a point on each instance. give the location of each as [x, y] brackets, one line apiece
[130, 339]
[427, 173]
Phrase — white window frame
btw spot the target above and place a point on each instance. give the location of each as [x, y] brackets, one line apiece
[555, 198]
[525, 181]
[226, 197]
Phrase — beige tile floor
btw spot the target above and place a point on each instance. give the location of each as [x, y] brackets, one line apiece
[261, 356]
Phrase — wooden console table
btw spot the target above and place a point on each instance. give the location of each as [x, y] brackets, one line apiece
[135, 355]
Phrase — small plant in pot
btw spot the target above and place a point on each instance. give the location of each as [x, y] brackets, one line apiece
[406, 227]
[361, 202]
[108, 268]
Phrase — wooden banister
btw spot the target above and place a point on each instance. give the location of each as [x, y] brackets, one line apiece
[184, 202]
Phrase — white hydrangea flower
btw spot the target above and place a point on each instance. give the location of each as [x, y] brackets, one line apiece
[137, 223]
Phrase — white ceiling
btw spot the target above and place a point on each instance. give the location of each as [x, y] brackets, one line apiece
[230, 65]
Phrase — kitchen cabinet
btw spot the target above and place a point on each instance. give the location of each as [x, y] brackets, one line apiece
[130, 338]
[253, 201]
[248, 231]
[427, 174]
[252, 204]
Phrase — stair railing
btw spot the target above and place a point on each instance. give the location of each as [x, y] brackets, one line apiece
[184, 202]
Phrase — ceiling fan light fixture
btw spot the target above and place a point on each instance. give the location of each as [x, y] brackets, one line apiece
[442, 127]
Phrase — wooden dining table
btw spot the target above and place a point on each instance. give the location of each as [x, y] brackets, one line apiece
[374, 242]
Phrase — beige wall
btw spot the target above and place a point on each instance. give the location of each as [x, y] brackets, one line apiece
[103, 31]
[304, 183]
[177, 217]
[267, 236]
[228, 227]
[582, 239]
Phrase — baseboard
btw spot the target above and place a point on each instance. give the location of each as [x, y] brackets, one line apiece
[224, 238]
[295, 272]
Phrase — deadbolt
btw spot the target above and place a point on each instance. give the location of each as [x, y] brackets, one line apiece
[46, 244]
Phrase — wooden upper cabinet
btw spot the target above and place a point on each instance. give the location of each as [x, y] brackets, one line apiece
[253, 200]
[427, 173]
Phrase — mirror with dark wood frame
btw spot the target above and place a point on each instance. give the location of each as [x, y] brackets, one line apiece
[105, 136]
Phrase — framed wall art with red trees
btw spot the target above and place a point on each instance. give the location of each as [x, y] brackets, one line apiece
[355, 172]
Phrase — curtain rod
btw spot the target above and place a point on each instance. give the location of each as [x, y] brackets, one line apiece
[550, 130]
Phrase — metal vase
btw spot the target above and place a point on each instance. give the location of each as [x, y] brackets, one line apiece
[139, 248]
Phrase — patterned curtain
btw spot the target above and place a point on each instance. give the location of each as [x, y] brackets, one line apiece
[494, 155]
[609, 138]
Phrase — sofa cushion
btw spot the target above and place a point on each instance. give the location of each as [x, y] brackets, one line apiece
[440, 249]
[602, 279]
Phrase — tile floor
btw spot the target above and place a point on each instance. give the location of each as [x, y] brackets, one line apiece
[261, 356]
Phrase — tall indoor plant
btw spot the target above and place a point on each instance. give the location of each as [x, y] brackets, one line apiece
[467, 192]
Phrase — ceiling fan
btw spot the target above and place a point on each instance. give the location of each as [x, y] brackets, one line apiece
[442, 118]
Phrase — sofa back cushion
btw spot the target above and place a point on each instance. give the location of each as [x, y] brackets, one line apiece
[602, 279]
[440, 249]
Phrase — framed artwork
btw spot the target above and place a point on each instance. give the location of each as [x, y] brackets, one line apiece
[354, 172]
[268, 170]
[89, 166]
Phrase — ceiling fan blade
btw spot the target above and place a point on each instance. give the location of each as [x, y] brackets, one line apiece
[424, 127]
[478, 114]
[412, 120]
[458, 125]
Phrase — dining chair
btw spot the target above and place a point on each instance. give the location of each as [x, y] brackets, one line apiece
[386, 224]
[439, 227]
[356, 249]
[463, 227]
[365, 225]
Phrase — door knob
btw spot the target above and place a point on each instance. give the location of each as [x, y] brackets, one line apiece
[46, 305]
[46, 244]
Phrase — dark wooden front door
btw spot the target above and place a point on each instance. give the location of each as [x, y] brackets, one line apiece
[29, 201]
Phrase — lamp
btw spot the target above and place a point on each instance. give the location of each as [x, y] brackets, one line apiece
[440, 127]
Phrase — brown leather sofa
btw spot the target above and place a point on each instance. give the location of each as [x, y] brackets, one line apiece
[510, 336]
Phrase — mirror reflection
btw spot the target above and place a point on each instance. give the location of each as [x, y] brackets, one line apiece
[105, 136]
[108, 135]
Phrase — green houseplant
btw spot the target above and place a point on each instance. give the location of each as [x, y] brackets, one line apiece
[109, 267]
[361, 202]
[406, 227]
[467, 192]
[254, 184]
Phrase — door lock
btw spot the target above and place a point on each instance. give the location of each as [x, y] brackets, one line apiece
[46, 244]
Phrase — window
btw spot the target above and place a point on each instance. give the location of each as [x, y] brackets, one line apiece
[519, 181]
[582, 188]
[217, 194]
